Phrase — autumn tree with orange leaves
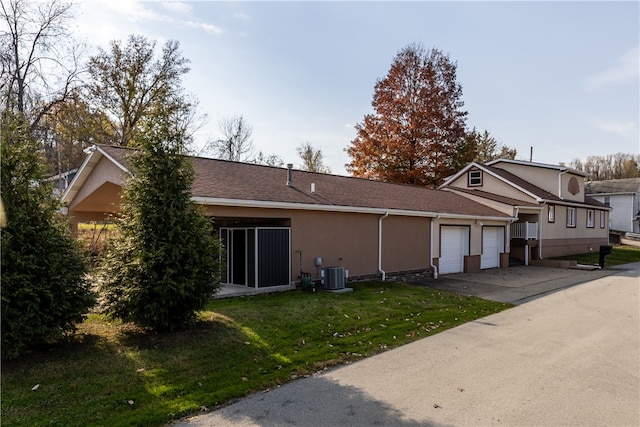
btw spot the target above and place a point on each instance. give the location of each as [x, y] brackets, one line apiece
[417, 133]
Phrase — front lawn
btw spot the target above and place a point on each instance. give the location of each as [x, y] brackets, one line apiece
[619, 255]
[111, 374]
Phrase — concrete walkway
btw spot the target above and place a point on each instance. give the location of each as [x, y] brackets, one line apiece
[570, 358]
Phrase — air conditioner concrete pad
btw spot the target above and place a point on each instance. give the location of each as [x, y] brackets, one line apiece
[339, 291]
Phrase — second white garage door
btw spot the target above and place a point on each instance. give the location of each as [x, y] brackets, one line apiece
[454, 245]
[492, 247]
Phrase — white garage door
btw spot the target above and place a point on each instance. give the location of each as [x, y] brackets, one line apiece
[454, 243]
[492, 246]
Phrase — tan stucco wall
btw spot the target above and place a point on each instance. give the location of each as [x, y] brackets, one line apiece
[561, 247]
[405, 243]
[559, 229]
[547, 179]
[348, 240]
[104, 172]
[491, 184]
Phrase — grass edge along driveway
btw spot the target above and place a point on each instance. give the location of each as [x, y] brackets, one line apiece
[113, 374]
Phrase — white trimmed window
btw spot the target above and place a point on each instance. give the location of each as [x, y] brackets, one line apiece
[571, 217]
[552, 213]
[591, 218]
[475, 178]
[603, 217]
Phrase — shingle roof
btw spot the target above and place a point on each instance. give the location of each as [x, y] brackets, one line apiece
[495, 197]
[220, 179]
[525, 185]
[539, 192]
[628, 185]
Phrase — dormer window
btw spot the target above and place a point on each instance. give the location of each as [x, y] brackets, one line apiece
[475, 178]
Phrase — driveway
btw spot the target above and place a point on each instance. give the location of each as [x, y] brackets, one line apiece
[517, 284]
[570, 358]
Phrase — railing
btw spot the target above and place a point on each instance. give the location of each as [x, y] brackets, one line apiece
[524, 230]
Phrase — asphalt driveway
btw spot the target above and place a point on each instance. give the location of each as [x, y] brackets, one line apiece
[570, 358]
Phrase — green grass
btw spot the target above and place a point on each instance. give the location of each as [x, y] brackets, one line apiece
[111, 374]
[619, 255]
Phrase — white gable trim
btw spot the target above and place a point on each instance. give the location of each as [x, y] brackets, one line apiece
[95, 153]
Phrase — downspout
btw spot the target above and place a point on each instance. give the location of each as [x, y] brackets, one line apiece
[435, 269]
[380, 270]
[540, 221]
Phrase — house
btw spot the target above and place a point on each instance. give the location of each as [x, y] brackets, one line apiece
[554, 217]
[623, 196]
[277, 224]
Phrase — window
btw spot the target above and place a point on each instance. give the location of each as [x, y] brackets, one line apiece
[607, 201]
[571, 217]
[603, 217]
[552, 213]
[475, 178]
[591, 218]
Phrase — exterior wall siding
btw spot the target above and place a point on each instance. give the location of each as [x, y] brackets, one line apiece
[561, 247]
[348, 240]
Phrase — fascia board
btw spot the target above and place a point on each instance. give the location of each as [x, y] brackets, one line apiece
[577, 205]
[333, 208]
[81, 176]
[85, 170]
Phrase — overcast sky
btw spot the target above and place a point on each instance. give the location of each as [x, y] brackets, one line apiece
[561, 77]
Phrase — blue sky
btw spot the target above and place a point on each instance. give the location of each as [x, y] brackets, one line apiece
[561, 77]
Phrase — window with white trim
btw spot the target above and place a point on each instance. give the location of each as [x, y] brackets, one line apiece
[552, 213]
[475, 178]
[591, 218]
[603, 217]
[571, 217]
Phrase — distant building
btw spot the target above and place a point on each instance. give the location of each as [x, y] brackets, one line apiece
[623, 196]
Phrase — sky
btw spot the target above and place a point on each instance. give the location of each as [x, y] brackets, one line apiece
[559, 80]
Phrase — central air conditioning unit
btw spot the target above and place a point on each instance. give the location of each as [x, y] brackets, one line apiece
[334, 278]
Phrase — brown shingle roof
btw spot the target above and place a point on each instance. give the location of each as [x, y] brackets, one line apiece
[494, 197]
[627, 185]
[220, 179]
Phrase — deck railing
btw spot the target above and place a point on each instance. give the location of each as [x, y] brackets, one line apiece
[524, 230]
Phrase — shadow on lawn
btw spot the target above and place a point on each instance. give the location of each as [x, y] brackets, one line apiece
[127, 377]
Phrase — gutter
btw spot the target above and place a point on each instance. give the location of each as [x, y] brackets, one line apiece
[336, 208]
[380, 270]
[433, 266]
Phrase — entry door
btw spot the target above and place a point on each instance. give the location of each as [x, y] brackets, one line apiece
[492, 247]
[454, 243]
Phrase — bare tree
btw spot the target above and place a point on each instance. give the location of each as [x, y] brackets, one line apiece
[131, 84]
[236, 143]
[38, 58]
[611, 166]
[312, 159]
[267, 160]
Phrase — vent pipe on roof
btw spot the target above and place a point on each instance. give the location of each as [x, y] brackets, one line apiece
[289, 173]
[313, 188]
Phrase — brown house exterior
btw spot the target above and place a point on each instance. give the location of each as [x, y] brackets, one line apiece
[278, 223]
[554, 216]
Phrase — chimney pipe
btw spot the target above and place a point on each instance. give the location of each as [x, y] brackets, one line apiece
[289, 170]
[313, 187]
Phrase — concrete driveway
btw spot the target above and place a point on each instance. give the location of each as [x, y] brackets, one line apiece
[517, 284]
[570, 358]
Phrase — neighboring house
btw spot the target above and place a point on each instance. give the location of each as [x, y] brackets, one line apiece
[553, 215]
[62, 181]
[277, 223]
[623, 196]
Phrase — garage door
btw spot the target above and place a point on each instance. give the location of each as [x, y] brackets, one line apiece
[454, 243]
[492, 246]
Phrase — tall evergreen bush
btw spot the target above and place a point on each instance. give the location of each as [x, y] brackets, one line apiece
[164, 266]
[44, 288]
